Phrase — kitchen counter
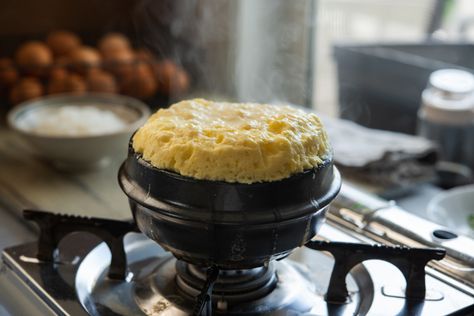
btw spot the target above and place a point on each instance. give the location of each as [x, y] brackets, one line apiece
[14, 230]
[27, 182]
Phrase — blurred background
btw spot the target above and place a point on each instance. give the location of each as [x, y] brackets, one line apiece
[247, 50]
[398, 127]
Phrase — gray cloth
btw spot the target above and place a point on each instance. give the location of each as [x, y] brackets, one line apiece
[380, 157]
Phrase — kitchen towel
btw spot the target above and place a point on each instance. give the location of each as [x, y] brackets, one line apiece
[380, 157]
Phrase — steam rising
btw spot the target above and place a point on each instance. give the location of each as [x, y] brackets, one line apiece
[238, 50]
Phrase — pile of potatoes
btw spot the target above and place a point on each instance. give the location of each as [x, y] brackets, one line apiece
[62, 64]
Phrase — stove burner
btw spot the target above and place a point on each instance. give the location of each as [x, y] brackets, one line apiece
[278, 286]
[230, 286]
[293, 293]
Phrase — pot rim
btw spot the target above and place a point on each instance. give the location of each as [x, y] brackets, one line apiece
[188, 213]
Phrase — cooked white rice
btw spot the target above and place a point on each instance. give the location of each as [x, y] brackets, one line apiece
[71, 120]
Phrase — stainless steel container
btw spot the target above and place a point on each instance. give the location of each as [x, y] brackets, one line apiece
[446, 115]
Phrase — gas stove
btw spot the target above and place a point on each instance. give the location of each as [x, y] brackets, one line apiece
[369, 258]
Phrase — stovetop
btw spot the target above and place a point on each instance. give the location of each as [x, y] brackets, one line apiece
[79, 281]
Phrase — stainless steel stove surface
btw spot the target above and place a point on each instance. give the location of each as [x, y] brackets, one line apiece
[77, 282]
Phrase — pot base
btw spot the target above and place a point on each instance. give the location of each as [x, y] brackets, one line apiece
[231, 286]
[228, 247]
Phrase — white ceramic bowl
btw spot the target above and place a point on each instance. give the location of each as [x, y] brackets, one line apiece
[81, 152]
[453, 208]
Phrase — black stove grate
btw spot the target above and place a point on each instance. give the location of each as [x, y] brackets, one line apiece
[410, 261]
[54, 227]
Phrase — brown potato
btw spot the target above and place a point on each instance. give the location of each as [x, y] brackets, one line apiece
[101, 81]
[144, 55]
[26, 89]
[8, 73]
[58, 73]
[171, 78]
[72, 83]
[140, 83]
[84, 58]
[113, 42]
[34, 58]
[62, 43]
[120, 63]
[62, 61]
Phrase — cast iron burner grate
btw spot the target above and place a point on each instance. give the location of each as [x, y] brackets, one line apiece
[202, 283]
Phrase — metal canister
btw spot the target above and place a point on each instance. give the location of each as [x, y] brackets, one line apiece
[446, 115]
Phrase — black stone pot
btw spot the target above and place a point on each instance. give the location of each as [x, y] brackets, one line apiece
[230, 225]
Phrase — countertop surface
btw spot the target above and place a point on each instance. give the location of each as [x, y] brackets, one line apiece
[27, 182]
